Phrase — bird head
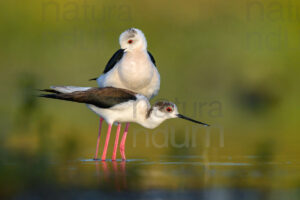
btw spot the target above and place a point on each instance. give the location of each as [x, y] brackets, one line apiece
[163, 110]
[133, 39]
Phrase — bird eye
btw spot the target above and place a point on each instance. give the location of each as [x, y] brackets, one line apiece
[169, 109]
[130, 41]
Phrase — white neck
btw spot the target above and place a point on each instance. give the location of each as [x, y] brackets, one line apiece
[152, 121]
[138, 48]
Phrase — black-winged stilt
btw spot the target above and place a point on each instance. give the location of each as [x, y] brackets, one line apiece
[116, 105]
[132, 67]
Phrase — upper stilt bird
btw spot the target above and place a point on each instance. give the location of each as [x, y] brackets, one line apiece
[132, 67]
[118, 105]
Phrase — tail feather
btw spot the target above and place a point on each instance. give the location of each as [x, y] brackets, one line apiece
[69, 89]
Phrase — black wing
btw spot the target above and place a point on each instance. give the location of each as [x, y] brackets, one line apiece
[152, 58]
[113, 60]
[100, 97]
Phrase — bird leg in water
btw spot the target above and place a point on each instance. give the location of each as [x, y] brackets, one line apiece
[98, 140]
[114, 156]
[122, 144]
[106, 142]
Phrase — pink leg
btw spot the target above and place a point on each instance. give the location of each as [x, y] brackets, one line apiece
[114, 156]
[106, 142]
[122, 145]
[98, 140]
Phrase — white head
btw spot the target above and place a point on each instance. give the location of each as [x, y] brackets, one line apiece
[133, 39]
[163, 110]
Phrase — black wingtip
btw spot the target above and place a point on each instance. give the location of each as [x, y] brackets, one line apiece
[50, 96]
[93, 79]
[45, 95]
[50, 90]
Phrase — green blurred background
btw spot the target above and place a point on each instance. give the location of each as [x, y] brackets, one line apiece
[233, 64]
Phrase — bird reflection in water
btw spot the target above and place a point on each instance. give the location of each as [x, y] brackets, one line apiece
[113, 173]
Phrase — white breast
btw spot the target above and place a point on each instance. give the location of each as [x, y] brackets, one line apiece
[134, 72]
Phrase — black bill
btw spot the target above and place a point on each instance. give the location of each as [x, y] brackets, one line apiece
[192, 120]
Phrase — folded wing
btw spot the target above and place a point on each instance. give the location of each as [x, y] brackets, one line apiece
[100, 97]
